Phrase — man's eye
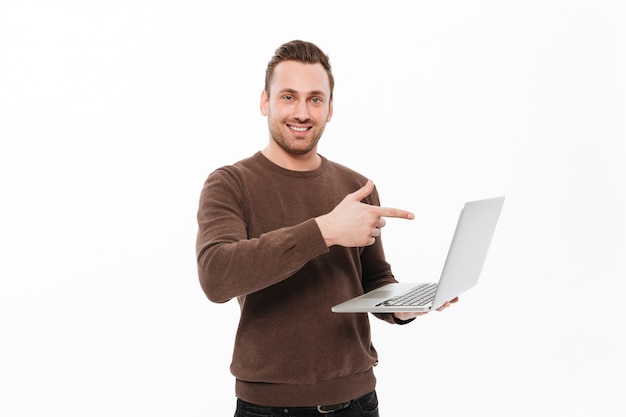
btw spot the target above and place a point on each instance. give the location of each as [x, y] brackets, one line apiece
[316, 100]
[288, 98]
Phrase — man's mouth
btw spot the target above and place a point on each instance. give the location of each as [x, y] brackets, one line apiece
[298, 129]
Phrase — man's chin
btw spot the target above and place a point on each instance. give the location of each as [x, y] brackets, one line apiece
[300, 148]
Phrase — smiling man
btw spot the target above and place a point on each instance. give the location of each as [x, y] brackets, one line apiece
[290, 233]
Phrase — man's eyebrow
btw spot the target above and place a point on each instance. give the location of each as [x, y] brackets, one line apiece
[317, 93]
[309, 93]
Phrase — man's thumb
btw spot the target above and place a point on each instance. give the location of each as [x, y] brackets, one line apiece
[364, 191]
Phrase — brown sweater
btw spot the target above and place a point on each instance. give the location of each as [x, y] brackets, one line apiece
[258, 241]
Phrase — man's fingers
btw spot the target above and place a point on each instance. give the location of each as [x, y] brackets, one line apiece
[448, 304]
[394, 212]
[367, 189]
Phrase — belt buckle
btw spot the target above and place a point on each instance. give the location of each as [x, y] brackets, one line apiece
[321, 411]
[326, 409]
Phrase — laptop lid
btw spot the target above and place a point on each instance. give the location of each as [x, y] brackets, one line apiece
[468, 249]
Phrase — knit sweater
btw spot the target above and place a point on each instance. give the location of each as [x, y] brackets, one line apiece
[258, 241]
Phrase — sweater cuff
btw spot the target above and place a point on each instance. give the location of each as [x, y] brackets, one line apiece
[398, 321]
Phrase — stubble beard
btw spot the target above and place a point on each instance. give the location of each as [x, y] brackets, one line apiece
[281, 136]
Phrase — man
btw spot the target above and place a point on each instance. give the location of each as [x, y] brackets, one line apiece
[290, 234]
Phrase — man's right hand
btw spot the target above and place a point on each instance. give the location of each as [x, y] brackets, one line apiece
[353, 223]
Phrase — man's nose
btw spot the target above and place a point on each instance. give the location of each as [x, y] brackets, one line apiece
[301, 111]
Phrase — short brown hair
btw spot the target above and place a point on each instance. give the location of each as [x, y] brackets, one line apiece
[299, 51]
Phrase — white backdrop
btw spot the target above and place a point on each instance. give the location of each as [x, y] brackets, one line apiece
[112, 113]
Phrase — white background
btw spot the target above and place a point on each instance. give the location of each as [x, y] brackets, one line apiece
[112, 113]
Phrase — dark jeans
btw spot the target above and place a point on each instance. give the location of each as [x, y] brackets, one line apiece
[366, 406]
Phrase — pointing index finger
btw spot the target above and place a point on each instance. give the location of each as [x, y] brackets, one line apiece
[394, 212]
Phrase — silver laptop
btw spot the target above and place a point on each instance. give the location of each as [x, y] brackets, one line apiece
[461, 270]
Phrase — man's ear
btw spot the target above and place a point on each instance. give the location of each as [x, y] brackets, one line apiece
[330, 111]
[264, 103]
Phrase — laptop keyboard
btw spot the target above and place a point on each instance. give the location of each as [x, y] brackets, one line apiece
[417, 296]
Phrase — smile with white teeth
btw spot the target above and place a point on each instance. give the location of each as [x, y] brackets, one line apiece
[299, 129]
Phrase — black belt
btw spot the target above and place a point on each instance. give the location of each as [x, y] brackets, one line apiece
[325, 409]
[322, 409]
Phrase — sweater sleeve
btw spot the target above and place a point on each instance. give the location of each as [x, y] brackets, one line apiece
[230, 263]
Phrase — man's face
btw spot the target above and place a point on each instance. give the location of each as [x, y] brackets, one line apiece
[298, 106]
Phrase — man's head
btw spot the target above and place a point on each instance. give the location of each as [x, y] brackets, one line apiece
[299, 51]
[297, 101]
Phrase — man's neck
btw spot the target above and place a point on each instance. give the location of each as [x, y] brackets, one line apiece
[294, 162]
